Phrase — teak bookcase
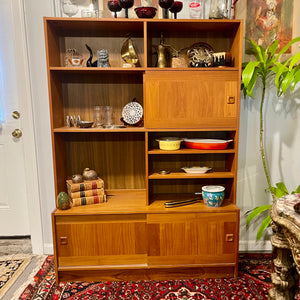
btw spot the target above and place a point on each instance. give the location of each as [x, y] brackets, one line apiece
[133, 236]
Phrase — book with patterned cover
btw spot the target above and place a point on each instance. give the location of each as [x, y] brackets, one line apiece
[89, 200]
[87, 193]
[85, 185]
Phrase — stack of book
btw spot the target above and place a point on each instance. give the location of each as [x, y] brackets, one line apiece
[87, 192]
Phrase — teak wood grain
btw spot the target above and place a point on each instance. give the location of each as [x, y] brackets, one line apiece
[134, 236]
[190, 100]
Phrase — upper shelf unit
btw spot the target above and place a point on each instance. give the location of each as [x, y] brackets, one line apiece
[110, 34]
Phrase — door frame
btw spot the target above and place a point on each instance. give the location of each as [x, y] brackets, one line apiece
[29, 150]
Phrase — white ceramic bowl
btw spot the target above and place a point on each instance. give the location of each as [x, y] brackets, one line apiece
[196, 170]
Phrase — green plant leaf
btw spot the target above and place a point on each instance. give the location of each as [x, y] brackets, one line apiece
[256, 212]
[297, 190]
[286, 47]
[296, 79]
[264, 224]
[282, 68]
[272, 49]
[280, 190]
[294, 60]
[263, 54]
[287, 80]
[258, 51]
[248, 72]
[252, 83]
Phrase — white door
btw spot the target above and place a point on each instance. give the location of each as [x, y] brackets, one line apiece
[14, 87]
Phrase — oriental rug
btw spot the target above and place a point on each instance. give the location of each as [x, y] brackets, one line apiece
[11, 266]
[253, 282]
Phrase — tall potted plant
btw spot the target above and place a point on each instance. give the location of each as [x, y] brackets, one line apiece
[269, 70]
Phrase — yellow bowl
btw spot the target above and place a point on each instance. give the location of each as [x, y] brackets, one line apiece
[169, 143]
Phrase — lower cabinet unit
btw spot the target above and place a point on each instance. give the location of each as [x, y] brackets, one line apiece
[149, 245]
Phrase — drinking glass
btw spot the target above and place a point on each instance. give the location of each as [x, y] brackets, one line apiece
[113, 6]
[176, 8]
[98, 116]
[165, 5]
[107, 115]
[196, 9]
[126, 4]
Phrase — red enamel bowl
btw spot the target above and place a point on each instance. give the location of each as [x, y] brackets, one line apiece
[206, 144]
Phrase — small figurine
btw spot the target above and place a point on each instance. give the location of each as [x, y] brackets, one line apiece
[77, 178]
[89, 174]
[103, 60]
[63, 201]
[89, 62]
[128, 54]
[165, 53]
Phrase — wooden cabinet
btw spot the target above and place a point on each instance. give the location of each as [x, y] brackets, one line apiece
[187, 99]
[192, 238]
[133, 236]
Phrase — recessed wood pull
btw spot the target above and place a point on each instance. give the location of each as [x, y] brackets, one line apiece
[230, 100]
[63, 240]
[229, 237]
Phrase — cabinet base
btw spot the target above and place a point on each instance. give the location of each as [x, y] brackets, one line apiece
[146, 274]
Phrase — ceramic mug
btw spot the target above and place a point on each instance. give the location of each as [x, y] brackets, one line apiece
[213, 195]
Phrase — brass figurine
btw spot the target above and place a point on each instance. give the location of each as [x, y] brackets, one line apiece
[128, 54]
[165, 53]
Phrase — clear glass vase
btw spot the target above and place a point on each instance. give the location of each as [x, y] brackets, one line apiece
[220, 9]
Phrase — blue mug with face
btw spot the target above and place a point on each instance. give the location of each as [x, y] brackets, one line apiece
[213, 195]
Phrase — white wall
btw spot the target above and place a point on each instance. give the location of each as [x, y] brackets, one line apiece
[34, 12]
[282, 137]
[282, 132]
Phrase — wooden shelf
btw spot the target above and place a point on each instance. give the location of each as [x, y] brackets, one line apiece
[99, 130]
[157, 205]
[133, 70]
[88, 70]
[185, 151]
[182, 175]
[134, 202]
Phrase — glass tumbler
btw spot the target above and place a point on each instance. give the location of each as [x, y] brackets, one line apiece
[196, 9]
[107, 115]
[98, 116]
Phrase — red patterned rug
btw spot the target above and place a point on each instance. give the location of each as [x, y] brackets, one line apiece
[253, 283]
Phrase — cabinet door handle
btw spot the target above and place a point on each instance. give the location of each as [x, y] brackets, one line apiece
[230, 100]
[63, 240]
[229, 237]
